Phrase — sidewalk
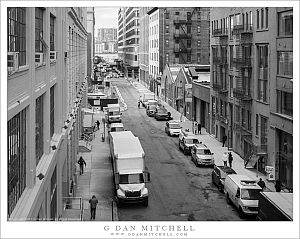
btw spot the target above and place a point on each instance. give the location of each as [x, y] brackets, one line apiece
[213, 144]
[97, 178]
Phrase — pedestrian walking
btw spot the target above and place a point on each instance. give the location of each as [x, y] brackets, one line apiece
[225, 158]
[195, 127]
[81, 162]
[93, 205]
[199, 128]
[224, 139]
[98, 124]
[230, 159]
[262, 184]
[278, 186]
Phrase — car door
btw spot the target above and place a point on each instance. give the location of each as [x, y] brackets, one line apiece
[167, 127]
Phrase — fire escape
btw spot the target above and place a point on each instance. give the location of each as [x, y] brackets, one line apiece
[183, 37]
[220, 67]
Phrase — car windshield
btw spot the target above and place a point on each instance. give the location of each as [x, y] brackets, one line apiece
[250, 194]
[152, 107]
[174, 126]
[191, 141]
[203, 151]
[152, 103]
[131, 178]
[162, 111]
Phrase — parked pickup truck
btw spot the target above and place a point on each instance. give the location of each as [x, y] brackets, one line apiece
[275, 206]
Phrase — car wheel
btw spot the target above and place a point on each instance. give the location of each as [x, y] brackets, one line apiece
[212, 179]
[179, 147]
[145, 203]
[220, 187]
[241, 213]
[228, 199]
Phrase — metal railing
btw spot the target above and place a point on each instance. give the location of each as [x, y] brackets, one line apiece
[72, 209]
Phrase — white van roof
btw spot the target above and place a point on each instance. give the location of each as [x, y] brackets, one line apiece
[112, 105]
[243, 181]
[116, 125]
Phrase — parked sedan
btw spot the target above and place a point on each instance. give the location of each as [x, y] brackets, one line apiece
[161, 113]
[219, 174]
[173, 128]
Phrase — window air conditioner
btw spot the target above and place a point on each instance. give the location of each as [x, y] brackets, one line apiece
[53, 56]
[39, 58]
[12, 61]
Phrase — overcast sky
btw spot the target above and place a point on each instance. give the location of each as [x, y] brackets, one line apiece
[106, 17]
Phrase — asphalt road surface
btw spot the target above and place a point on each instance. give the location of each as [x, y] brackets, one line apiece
[178, 191]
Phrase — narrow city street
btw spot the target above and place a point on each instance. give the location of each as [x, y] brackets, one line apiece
[178, 190]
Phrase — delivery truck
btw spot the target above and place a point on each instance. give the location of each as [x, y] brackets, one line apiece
[275, 206]
[130, 175]
[113, 113]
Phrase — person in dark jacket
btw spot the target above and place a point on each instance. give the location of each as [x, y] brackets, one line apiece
[230, 159]
[93, 205]
[262, 184]
[224, 140]
[199, 128]
[81, 162]
[278, 186]
[98, 124]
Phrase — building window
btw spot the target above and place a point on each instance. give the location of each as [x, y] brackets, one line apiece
[17, 32]
[39, 128]
[285, 63]
[189, 57]
[230, 56]
[198, 43]
[199, 15]
[198, 29]
[262, 18]
[167, 29]
[177, 13]
[262, 52]
[52, 46]
[284, 103]
[267, 17]
[52, 111]
[198, 57]
[38, 29]
[257, 19]
[16, 161]
[188, 29]
[167, 43]
[256, 124]
[231, 27]
[188, 43]
[176, 55]
[188, 16]
[285, 23]
[167, 15]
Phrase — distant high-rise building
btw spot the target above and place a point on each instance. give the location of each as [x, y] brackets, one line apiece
[128, 39]
[107, 34]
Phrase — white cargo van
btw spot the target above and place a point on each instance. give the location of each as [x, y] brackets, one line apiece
[116, 127]
[242, 192]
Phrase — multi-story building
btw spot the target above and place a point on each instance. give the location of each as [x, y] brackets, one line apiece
[107, 34]
[128, 40]
[177, 36]
[251, 94]
[46, 83]
[144, 47]
[90, 40]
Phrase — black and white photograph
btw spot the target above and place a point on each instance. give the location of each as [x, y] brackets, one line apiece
[149, 119]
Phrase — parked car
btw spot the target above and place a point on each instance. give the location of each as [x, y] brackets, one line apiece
[219, 174]
[201, 155]
[161, 113]
[172, 128]
[150, 111]
[243, 193]
[186, 141]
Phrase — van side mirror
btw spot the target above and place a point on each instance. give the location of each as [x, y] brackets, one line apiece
[147, 177]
